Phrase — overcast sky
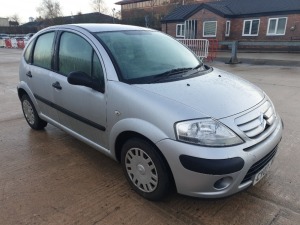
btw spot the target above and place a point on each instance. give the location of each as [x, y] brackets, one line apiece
[27, 8]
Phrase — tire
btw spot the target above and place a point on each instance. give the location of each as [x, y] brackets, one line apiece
[30, 114]
[145, 169]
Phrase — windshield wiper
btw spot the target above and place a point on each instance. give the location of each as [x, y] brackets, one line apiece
[170, 73]
[192, 71]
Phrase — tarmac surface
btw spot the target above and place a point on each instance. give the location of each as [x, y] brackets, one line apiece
[48, 177]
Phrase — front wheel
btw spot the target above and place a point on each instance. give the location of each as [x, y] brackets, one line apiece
[30, 114]
[145, 169]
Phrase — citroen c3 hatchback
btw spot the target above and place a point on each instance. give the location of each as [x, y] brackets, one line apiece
[147, 101]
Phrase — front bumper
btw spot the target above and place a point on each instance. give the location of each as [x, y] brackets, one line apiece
[218, 172]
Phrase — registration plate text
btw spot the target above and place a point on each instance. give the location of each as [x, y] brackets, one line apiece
[262, 173]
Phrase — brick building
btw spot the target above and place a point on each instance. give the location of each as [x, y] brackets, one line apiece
[150, 12]
[243, 20]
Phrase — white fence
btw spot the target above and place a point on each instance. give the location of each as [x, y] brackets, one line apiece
[198, 46]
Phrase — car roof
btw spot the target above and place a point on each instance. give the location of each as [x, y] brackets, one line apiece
[102, 27]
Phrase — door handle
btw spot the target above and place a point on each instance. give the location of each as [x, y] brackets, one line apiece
[28, 74]
[56, 85]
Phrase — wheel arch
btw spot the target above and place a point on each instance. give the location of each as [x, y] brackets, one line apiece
[21, 92]
[23, 89]
[126, 135]
[130, 127]
[122, 138]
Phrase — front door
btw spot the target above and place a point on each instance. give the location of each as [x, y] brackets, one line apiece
[81, 109]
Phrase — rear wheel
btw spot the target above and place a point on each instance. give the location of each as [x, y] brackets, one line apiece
[145, 169]
[30, 114]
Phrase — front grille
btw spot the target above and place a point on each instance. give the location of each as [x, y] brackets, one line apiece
[255, 168]
[257, 121]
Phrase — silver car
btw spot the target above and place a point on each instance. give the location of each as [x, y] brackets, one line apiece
[147, 101]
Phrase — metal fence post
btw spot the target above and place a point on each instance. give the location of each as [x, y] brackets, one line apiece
[234, 49]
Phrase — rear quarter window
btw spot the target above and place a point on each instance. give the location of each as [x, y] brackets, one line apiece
[27, 53]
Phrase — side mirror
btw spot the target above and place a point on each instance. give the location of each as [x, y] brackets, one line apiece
[82, 79]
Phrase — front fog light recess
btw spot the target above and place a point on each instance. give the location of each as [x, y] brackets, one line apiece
[223, 183]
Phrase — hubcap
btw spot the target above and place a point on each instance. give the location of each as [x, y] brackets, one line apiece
[28, 112]
[141, 170]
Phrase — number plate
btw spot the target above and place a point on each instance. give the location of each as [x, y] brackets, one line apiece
[262, 173]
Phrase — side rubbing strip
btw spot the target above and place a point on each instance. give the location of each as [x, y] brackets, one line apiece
[69, 113]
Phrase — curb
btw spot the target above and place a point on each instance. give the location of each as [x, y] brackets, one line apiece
[269, 62]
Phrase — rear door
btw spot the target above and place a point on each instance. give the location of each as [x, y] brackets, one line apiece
[39, 73]
[81, 109]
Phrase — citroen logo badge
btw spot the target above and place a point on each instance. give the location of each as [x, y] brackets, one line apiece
[262, 121]
[261, 118]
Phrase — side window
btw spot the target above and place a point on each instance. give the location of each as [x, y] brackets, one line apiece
[75, 54]
[190, 29]
[43, 50]
[180, 30]
[97, 71]
[251, 27]
[28, 52]
[227, 30]
[277, 26]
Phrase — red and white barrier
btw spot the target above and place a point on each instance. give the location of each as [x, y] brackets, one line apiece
[13, 43]
[212, 50]
[8, 43]
[2, 43]
[21, 44]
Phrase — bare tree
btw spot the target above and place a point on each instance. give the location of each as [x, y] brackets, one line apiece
[153, 3]
[99, 6]
[15, 18]
[49, 9]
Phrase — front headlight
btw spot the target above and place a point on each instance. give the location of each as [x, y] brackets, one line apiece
[207, 132]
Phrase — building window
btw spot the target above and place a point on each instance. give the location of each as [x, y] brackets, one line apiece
[190, 29]
[180, 30]
[251, 27]
[227, 30]
[277, 26]
[210, 29]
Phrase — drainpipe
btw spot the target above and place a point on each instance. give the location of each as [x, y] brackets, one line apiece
[166, 27]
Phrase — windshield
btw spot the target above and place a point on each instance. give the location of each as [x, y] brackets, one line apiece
[144, 56]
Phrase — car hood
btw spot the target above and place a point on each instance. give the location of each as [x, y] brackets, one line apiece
[217, 94]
